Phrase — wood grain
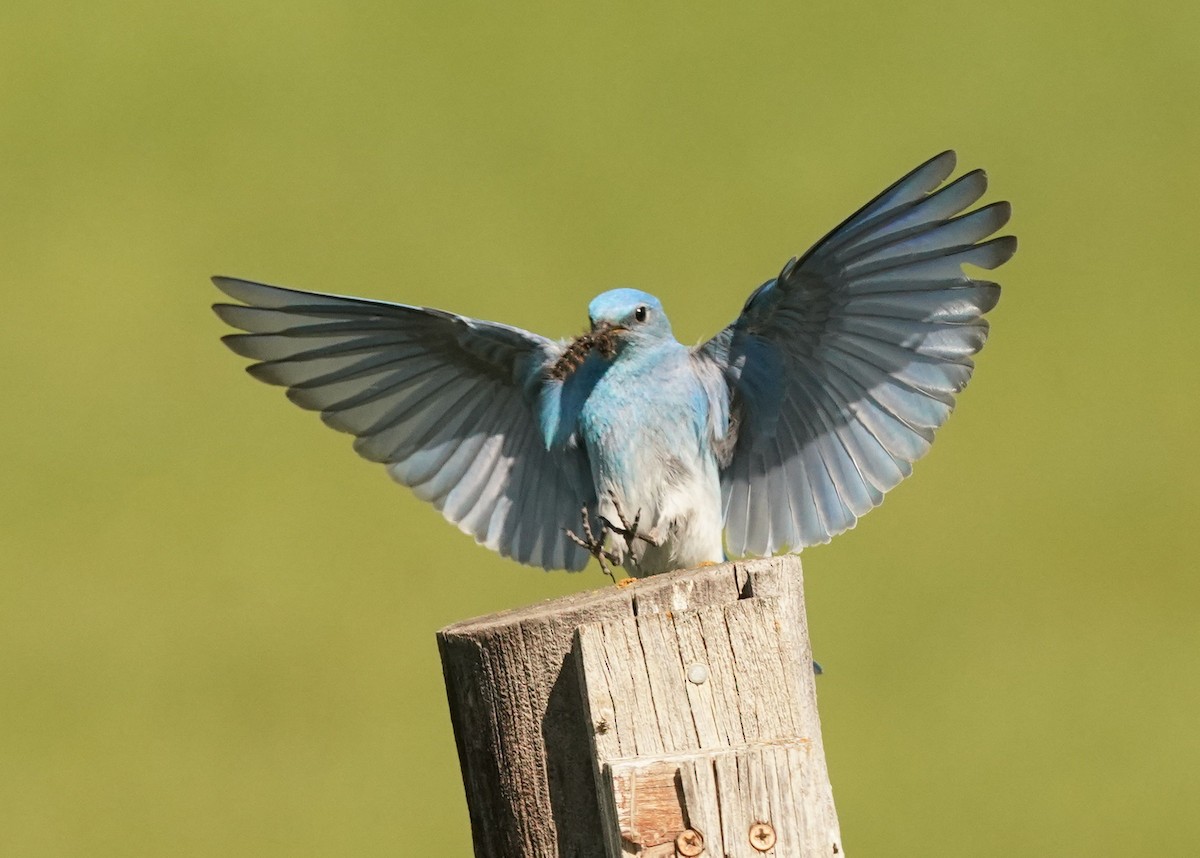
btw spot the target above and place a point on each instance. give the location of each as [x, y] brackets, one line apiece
[610, 722]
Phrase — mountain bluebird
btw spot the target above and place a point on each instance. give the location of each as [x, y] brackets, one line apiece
[624, 444]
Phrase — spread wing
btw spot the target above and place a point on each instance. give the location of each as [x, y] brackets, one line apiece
[446, 402]
[841, 368]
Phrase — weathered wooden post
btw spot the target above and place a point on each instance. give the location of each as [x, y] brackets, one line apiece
[676, 716]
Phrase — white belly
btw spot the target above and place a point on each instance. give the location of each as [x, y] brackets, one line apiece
[680, 509]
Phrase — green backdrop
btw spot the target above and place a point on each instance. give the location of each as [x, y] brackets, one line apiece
[216, 622]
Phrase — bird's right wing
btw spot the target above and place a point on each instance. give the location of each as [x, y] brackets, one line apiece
[841, 368]
[446, 402]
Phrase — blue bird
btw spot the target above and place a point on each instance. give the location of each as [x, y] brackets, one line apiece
[776, 434]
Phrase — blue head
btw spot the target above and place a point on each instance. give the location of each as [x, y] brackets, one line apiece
[621, 319]
[630, 315]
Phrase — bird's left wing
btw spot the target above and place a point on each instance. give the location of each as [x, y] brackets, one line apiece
[840, 369]
[446, 402]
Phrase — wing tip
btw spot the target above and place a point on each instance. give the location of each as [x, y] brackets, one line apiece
[231, 286]
[932, 172]
[263, 371]
[227, 312]
[235, 343]
[265, 295]
[999, 250]
[946, 159]
[1002, 210]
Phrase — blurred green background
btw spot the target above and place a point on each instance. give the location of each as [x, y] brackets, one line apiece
[216, 622]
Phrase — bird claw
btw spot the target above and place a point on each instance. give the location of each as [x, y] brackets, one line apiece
[593, 546]
[628, 530]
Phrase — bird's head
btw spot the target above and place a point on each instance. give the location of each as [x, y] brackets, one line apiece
[628, 316]
[618, 318]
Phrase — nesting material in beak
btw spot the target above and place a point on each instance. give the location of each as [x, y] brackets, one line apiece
[602, 338]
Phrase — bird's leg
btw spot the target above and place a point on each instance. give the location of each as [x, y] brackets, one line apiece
[628, 530]
[589, 543]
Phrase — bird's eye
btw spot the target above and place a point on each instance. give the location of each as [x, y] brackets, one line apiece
[640, 314]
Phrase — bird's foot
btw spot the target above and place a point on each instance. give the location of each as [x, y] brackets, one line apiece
[595, 546]
[628, 530]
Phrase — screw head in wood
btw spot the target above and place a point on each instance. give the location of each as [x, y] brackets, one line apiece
[762, 836]
[689, 843]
